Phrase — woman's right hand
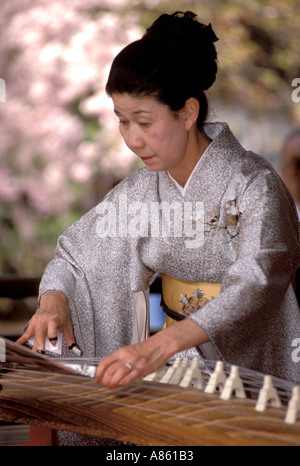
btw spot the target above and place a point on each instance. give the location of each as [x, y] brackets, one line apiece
[53, 314]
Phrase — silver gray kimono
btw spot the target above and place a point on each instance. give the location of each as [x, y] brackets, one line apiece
[250, 246]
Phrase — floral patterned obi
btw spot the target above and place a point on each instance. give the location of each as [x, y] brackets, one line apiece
[184, 297]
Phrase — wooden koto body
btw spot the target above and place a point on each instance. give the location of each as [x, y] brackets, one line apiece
[143, 413]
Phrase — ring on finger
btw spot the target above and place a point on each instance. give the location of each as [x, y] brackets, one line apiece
[129, 366]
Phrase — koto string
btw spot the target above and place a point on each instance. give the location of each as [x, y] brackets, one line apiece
[252, 380]
[138, 407]
[15, 377]
[17, 355]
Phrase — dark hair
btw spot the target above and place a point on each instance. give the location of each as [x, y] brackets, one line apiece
[174, 60]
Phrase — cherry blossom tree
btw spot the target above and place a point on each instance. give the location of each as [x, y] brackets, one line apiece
[59, 148]
[54, 60]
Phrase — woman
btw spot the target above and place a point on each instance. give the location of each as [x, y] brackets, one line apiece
[227, 266]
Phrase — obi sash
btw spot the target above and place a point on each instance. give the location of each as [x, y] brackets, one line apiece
[182, 298]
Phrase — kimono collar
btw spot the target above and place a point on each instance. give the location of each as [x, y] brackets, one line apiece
[221, 137]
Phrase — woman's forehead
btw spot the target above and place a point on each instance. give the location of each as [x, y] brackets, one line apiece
[136, 105]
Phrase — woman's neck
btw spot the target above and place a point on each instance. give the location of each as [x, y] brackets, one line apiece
[197, 145]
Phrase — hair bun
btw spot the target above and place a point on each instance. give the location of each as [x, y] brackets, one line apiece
[174, 61]
[189, 41]
[180, 26]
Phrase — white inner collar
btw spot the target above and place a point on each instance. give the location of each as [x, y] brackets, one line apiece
[183, 189]
[212, 130]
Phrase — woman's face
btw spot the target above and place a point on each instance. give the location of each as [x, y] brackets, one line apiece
[156, 134]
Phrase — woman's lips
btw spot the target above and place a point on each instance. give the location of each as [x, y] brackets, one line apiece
[144, 159]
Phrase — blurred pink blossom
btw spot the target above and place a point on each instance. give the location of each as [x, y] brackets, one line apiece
[57, 124]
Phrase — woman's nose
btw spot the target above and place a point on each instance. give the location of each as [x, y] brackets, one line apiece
[134, 139]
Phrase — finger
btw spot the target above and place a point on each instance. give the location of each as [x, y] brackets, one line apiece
[52, 332]
[68, 335]
[39, 339]
[115, 374]
[70, 341]
[53, 340]
[102, 367]
[75, 348]
[29, 332]
[131, 377]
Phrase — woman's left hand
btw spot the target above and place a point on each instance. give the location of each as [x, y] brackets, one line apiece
[131, 362]
[138, 360]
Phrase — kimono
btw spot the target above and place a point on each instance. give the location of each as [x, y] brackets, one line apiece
[239, 230]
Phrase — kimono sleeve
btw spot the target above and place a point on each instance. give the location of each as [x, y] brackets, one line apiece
[65, 274]
[253, 319]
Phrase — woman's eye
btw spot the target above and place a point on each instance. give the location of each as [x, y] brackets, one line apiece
[144, 124]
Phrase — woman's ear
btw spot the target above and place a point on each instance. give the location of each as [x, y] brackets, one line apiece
[191, 112]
